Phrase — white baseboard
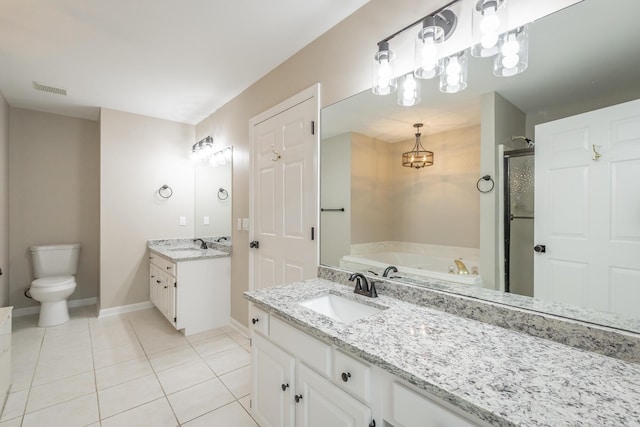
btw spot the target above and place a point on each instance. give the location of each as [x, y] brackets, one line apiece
[35, 309]
[124, 309]
[239, 327]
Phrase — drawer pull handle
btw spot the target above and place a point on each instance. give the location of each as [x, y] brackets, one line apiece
[255, 320]
[346, 376]
[284, 387]
[298, 398]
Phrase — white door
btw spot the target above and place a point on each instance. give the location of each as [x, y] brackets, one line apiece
[272, 384]
[285, 196]
[322, 404]
[588, 209]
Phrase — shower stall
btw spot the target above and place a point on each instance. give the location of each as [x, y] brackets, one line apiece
[519, 174]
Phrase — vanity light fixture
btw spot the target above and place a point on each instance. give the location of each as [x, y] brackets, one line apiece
[514, 53]
[202, 149]
[418, 157]
[220, 158]
[489, 26]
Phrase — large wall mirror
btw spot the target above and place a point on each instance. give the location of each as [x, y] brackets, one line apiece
[438, 222]
[213, 197]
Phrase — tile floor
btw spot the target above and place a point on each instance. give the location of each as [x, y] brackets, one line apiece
[128, 370]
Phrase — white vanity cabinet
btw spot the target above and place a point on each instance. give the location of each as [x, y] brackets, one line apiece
[294, 388]
[298, 380]
[194, 295]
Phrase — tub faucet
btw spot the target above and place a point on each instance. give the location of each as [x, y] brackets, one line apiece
[390, 269]
[203, 245]
[362, 286]
[462, 269]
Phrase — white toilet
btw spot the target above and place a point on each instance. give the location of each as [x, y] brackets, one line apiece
[54, 267]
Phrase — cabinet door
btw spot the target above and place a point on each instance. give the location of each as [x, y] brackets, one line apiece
[272, 384]
[322, 404]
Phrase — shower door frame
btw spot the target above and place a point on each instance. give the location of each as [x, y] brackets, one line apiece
[507, 208]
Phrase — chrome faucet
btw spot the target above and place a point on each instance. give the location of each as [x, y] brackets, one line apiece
[462, 269]
[390, 269]
[203, 244]
[362, 286]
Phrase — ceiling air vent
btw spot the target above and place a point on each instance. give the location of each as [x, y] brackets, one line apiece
[49, 89]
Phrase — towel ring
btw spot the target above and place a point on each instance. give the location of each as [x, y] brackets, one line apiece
[223, 194]
[165, 191]
[486, 178]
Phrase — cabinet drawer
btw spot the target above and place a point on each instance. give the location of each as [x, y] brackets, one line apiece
[258, 320]
[314, 353]
[163, 264]
[352, 376]
[410, 409]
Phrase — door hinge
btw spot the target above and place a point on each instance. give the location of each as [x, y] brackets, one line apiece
[175, 284]
[313, 233]
[313, 127]
[175, 320]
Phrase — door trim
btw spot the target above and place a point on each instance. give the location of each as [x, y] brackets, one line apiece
[308, 93]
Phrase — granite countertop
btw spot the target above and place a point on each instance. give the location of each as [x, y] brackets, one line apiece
[186, 250]
[503, 377]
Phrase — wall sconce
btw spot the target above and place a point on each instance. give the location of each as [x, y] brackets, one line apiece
[489, 27]
[221, 158]
[418, 157]
[514, 53]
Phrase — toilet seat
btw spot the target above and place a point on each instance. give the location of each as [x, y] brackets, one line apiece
[53, 281]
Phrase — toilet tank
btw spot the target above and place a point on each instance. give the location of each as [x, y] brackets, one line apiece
[55, 260]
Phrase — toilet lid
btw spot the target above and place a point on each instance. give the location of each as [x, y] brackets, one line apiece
[49, 282]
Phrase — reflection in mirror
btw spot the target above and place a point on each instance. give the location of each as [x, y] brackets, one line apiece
[433, 223]
[213, 198]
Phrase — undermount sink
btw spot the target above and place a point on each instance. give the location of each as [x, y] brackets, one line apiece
[185, 248]
[339, 308]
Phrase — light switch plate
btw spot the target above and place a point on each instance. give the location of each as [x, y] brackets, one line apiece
[239, 223]
[245, 223]
[205, 220]
[183, 220]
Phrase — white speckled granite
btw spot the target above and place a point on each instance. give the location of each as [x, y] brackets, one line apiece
[579, 334]
[186, 250]
[500, 376]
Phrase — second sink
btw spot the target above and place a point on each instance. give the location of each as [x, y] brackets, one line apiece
[339, 308]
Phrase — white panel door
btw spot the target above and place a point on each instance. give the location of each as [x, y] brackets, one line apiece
[588, 209]
[285, 196]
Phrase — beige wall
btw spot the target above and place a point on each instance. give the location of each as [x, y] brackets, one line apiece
[53, 195]
[341, 61]
[138, 155]
[440, 204]
[370, 190]
[4, 201]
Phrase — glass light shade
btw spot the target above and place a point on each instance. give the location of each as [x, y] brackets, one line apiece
[514, 53]
[409, 92]
[488, 22]
[427, 46]
[454, 77]
[383, 79]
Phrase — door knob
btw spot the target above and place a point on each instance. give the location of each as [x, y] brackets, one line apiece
[346, 376]
[298, 398]
[540, 249]
[284, 387]
[255, 320]
[254, 244]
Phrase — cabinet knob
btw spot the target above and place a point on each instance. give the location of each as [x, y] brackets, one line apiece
[346, 376]
[157, 281]
[284, 387]
[165, 287]
[255, 320]
[168, 268]
[298, 398]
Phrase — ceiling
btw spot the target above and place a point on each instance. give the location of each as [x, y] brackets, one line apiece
[170, 59]
[570, 64]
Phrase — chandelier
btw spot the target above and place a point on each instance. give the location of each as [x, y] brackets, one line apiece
[418, 157]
